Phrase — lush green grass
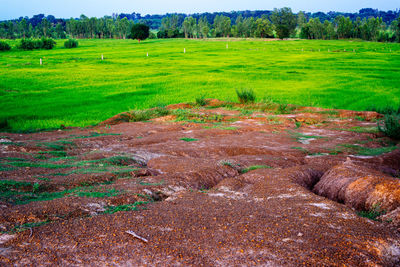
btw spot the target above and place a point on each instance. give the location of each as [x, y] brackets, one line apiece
[75, 88]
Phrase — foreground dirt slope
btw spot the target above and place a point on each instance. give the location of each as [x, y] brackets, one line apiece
[222, 185]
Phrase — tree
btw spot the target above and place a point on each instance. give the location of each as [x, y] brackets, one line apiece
[23, 27]
[285, 22]
[301, 19]
[264, 28]
[189, 27]
[396, 28]
[140, 31]
[204, 27]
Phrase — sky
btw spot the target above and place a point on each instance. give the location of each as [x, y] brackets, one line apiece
[11, 9]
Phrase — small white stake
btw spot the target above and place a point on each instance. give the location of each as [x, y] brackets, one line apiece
[184, 50]
[147, 53]
[41, 62]
[102, 57]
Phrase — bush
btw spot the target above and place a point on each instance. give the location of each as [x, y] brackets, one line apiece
[4, 46]
[71, 43]
[27, 44]
[390, 126]
[201, 100]
[246, 96]
[31, 44]
[48, 43]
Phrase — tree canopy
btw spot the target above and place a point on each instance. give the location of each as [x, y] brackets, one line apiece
[140, 31]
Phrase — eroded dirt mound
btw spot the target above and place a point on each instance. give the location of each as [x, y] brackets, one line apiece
[360, 187]
[221, 185]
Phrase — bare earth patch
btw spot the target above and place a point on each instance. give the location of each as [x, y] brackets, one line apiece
[221, 185]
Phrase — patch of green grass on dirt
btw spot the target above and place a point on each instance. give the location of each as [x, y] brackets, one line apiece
[26, 226]
[358, 129]
[373, 213]
[300, 136]
[127, 207]
[364, 151]
[56, 145]
[189, 139]
[255, 167]
[19, 193]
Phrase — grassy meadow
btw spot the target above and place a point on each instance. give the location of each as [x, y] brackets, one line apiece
[74, 87]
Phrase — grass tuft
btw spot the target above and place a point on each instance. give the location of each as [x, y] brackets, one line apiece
[246, 96]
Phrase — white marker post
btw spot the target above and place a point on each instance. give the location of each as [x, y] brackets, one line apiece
[147, 53]
[41, 62]
[184, 50]
[102, 57]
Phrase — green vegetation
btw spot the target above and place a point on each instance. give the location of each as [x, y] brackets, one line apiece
[201, 100]
[359, 129]
[256, 167]
[390, 126]
[76, 88]
[246, 96]
[4, 46]
[31, 44]
[140, 32]
[128, 207]
[364, 151]
[26, 226]
[71, 43]
[373, 213]
[189, 139]
[18, 193]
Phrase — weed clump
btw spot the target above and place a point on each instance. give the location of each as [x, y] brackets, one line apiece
[4, 46]
[373, 213]
[201, 100]
[390, 126]
[246, 96]
[71, 43]
[144, 115]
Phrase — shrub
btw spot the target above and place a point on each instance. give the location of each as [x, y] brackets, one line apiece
[4, 46]
[71, 43]
[390, 126]
[31, 44]
[246, 96]
[27, 44]
[201, 100]
[48, 43]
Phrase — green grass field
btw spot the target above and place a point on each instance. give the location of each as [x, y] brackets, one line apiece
[74, 87]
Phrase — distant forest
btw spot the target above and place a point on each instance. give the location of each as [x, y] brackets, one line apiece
[368, 24]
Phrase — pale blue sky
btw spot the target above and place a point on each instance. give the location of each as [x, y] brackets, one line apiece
[74, 8]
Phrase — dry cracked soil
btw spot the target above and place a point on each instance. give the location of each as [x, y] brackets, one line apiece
[221, 185]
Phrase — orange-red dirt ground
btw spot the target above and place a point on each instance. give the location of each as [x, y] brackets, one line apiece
[221, 185]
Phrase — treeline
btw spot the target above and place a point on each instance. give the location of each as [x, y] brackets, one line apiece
[367, 24]
[371, 29]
